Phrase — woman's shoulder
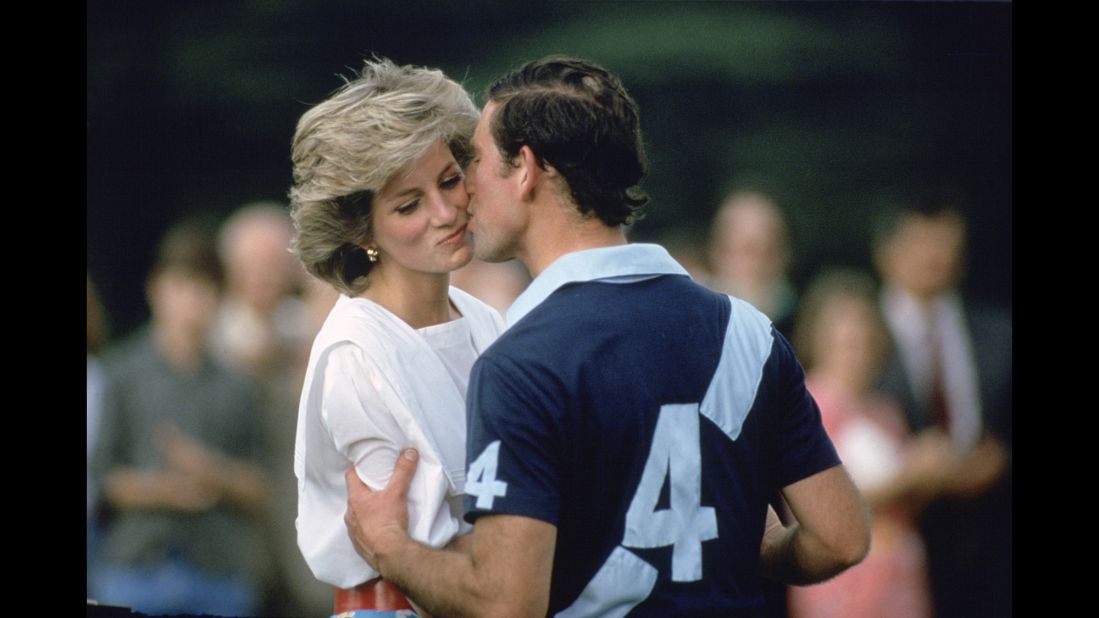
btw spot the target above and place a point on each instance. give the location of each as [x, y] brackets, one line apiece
[476, 310]
[357, 321]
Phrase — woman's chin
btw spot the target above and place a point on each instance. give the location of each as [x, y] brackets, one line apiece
[462, 256]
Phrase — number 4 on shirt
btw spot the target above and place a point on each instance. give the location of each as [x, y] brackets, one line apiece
[481, 480]
[676, 452]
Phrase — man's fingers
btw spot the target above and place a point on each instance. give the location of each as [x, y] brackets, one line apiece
[403, 472]
[354, 483]
[370, 513]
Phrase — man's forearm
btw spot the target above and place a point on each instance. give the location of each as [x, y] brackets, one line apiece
[461, 543]
[131, 488]
[443, 581]
[242, 484]
[503, 568]
[795, 557]
[831, 531]
[136, 489]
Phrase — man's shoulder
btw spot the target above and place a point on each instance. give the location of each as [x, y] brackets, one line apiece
[988, 318]
[134, 354]
[592, 310]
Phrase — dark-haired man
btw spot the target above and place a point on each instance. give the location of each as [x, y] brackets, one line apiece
[176, 452]
[626, 432]
[951, 371]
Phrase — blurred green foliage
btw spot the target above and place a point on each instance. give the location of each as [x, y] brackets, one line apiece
[191, 106]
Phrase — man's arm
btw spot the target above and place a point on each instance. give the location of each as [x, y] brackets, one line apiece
[504, 572]
[232, 480]
[195, 479]
[832, 531]
[979, 469]
[127, 488]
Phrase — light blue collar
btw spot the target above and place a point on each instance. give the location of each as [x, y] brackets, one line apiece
[591, 264]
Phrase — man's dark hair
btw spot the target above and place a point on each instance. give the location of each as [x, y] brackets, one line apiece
[577, 117]
[190, 246]
[892, 209]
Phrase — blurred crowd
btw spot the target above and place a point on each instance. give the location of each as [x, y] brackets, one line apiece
[192, 419]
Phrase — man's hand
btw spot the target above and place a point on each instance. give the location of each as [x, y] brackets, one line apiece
[226, 479]
[188, 457]
[979, 469]
[184, 485]
[773, 531]
[502, 569]
[375, 519]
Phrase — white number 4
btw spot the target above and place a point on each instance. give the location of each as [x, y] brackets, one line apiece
[686, 524]
[481, 480]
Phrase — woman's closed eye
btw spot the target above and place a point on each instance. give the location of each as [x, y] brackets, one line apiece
[408, 207]
[452, 180]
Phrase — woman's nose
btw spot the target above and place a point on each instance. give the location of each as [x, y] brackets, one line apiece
[447, 204]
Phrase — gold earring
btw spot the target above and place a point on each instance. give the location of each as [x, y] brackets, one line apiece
[372, 254]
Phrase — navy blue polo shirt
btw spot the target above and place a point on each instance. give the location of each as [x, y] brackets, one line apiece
[647, 418]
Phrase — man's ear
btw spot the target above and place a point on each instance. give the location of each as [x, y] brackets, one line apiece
[531, 171]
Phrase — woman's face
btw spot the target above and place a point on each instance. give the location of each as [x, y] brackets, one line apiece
[846, 337]
[420, 218]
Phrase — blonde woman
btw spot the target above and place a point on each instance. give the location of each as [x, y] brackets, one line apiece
[379, 209]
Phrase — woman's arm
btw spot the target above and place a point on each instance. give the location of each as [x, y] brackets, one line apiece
[370, 434]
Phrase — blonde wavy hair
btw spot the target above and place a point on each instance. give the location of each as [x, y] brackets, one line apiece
[346, 149]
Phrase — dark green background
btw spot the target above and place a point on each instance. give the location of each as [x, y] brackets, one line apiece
[191, 107]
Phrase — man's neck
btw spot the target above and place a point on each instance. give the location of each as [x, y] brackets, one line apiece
[180, 348]
[895, 296]
[552, 237]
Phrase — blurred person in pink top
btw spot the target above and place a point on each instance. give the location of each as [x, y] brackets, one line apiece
[842, 340]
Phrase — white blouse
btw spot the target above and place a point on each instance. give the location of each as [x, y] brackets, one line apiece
[373, 387]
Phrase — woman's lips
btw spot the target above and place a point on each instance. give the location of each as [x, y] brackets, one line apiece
[456, 236]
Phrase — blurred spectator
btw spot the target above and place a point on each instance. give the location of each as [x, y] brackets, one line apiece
[259, 321]
[294, 590]
[952, 374]
[318, 297]
[497, 284]
[685, 246]
[262, 329]
[175, 452]
[842, 340]
[750, 253]
[97, 337]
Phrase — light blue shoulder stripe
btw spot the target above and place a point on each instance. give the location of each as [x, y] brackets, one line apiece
[732, 391]
[620, 585]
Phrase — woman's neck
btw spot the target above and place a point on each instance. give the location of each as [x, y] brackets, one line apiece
[420, 300]
[848, 381]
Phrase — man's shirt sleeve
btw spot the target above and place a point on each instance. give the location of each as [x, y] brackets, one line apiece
[800, 447]
[513, 450]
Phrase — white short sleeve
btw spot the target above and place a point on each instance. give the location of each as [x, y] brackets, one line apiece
[355, 412]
